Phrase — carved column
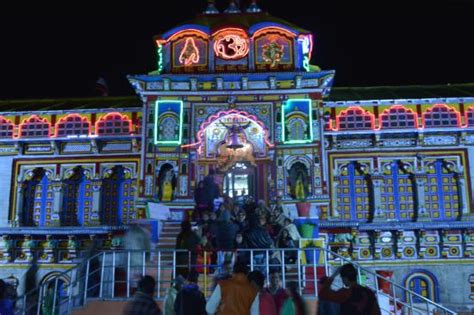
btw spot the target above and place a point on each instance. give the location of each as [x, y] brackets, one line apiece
[335, 183]
[19, 203]
[422, 213]
[377, 182]
[58, 192]
[96, 192]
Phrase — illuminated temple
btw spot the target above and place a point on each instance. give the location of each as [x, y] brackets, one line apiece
[383, 173]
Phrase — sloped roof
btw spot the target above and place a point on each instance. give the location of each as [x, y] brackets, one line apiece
[400, 92]
[70, 103]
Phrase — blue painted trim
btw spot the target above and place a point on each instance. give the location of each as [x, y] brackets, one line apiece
[352, 193]
[428, 274]
[177, 29]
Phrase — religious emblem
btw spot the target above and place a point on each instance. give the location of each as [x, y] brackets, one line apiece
[272, 53]
[190, 53]
[231, 46]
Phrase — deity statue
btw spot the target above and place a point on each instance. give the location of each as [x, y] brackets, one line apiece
[167, 185]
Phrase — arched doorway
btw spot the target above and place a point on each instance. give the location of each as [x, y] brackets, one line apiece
[240, 180]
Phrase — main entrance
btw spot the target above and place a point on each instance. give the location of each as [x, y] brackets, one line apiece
[240, 180]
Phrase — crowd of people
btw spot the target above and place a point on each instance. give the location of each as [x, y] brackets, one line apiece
[245, 293]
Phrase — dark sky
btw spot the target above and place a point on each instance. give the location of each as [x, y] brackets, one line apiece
[60, 49]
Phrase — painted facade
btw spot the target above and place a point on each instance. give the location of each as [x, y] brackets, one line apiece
[388, 180]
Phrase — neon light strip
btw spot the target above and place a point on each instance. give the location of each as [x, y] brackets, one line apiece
[65, 120]
[34, 119]
[283, 122]
[364, 113]
[386, 112]
[109, 115]
[156, 141]
[212, 118]
[190, 31]
[278, 29]
[450, 110]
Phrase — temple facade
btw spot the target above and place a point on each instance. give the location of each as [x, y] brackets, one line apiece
[385, 181]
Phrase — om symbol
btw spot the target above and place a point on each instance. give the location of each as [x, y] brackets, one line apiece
[231, 47]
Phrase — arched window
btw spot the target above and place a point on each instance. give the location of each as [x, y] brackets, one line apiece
[37, 199]
[353, 200]
[6, 128]
[355, 118]
[117, 198]
[77, 198]
[34, 127]
[424, 283]
[113, 124]
[397, 117]
[441, 191]
[73, 124]
[296, 129]
[397, 192]
[440, 116]
[470, 117]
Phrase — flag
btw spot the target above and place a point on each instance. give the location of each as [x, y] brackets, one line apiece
[101, 87]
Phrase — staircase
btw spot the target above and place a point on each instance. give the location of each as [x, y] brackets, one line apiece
[105, 281]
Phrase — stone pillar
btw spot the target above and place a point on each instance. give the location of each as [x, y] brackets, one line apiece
[377, 182]
[96, 195]
[58, 192]
[420, 182]
[19, 204]
[335, 213]
[463, 206]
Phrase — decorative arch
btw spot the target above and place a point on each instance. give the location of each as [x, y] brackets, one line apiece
[166, 182]
[470, 117]
[355, 118]
[441, 116]
[73, 124]
[6, 128]
[424, 283]
[48, 283]
[38, 197]
[299, 180]
[264, 27]
[200, 136]
[398, 117]
[34, 127]
[117, 197]
[77, 197]
[113, 124]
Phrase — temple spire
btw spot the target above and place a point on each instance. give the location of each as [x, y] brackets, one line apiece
[211, 7]
[253, 7]
[233, 7]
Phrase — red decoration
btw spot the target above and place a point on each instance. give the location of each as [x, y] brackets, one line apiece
[231, 44]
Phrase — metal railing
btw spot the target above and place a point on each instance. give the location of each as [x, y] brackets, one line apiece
[113, 275]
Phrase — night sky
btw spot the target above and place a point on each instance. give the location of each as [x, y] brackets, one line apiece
[60, 50]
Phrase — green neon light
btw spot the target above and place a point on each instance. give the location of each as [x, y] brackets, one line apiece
[283, 121]
[157, 112]
[306, 63]
[159, 52]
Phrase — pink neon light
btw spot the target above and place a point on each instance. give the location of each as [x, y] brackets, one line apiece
[397, 108]
[274, 29]
[114, 116]
[309, 38]
[237, 43]
[35, 120]
[190, 53]
[355, 111]
[73, 118]
[469, 122]
[8, 132]
[190, 31]
[441, 108]
[212, 118]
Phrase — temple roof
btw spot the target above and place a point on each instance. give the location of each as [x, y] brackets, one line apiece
[401, 92]
[337, 94]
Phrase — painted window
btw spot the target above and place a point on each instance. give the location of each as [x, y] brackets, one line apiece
[423, 283]
[34, 126]
[117, 198]
[6, 128]
[441, 191]
[441, 115]
[77, 199]
[470, 117]
[397, 192]
[113, 124]
[73, 125]
[38, 199]
[398, 117]
[355, 118]
[353, 193]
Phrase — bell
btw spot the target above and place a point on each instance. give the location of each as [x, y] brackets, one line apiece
[234, 141]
